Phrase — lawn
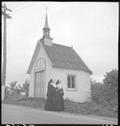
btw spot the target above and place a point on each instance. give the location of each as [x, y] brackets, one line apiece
[71, 107]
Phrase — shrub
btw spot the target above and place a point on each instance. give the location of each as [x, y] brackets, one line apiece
[106, 94]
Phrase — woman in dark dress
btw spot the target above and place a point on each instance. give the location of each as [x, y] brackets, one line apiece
[51, 103]
[60, 99]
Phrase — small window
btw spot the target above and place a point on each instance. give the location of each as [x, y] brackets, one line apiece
[71, 81]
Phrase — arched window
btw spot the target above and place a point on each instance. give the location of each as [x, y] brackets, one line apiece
[40, 65]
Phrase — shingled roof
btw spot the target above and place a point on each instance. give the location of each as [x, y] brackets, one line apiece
[62, 57]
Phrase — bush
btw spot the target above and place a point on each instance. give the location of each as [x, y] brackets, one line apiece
[96, 90]
[106, 94]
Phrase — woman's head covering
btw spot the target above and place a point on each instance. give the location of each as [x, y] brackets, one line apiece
[57, 82]
[59, 86]
[50, 81]
[53, 84]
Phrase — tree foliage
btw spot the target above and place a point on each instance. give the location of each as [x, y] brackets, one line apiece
[96, 89]
[10, 90]
[107, 92]
[111, 82]
[26, 87]
[17, 89]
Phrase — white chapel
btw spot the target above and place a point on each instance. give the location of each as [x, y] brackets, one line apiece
[54, 61]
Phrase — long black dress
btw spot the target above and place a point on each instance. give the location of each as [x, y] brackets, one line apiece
[60, 100]
[51, 103]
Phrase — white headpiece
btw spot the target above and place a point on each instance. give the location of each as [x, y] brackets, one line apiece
[53, 84]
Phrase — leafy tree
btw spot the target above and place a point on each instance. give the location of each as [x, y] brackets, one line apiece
[11, 89]
[111, 83]
[96, 89]
[25, 87]
[108, 91]
[13, 85]
[106, 94]
[111, 79]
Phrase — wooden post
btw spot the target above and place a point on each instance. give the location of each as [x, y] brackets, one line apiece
[4, 49]
[4, 43]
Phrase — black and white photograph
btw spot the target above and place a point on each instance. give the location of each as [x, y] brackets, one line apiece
[59, 62]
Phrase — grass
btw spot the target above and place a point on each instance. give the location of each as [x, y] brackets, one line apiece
[30, 102]
[89, 108]
[71, 107]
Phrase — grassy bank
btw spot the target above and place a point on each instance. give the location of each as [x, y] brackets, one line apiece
[90, 108]
[72, 107]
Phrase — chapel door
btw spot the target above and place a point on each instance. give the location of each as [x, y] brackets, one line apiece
[39, 84]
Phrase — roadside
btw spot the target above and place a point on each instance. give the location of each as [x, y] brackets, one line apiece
[67, 113]
[41, 116]
[85, 109]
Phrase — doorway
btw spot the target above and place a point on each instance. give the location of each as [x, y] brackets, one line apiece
[39, 84]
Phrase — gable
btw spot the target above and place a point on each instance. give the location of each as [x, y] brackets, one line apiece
[39, 50]
[35, 54]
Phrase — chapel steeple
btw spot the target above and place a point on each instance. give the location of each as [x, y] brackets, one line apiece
[46, 22]
[46, 29]
[46, 33]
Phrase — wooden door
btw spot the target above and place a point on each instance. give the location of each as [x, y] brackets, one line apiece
[39, 84]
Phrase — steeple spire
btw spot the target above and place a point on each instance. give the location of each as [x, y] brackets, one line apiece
[46, 22]
[46, 32]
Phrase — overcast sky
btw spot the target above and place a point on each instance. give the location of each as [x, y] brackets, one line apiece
[90, 27]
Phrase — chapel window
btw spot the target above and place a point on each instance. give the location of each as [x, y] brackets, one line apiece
[71, 81]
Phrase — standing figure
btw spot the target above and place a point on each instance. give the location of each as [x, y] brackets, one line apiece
[60, 99]
[51, 96]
